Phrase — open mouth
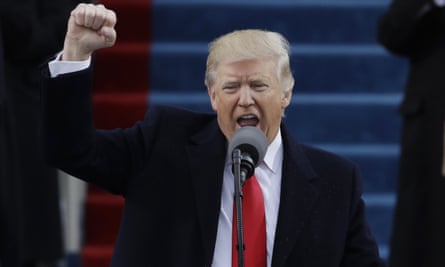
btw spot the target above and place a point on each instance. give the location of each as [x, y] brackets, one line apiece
[248, 120]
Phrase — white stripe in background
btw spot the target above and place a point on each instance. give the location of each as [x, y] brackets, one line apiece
[380, 199]
[297, 49]
[383, 99]
[377, 150]
[310, 3]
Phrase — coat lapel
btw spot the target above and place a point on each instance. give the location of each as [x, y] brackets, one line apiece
[298, 196]
[206, 154]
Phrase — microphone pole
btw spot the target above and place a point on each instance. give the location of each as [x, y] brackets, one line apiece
[238, 197]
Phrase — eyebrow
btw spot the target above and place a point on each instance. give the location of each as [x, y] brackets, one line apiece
[234, 80]
[231, 83]
[260, 79]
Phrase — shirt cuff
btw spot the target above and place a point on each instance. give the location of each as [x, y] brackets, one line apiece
[440, 3]
[58, 67]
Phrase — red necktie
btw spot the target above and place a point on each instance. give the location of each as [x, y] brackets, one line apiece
[254, 228]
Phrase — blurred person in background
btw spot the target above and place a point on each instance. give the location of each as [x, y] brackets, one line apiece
[30, 218]
[415, 29]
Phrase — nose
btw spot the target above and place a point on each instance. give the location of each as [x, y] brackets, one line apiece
[245, 97]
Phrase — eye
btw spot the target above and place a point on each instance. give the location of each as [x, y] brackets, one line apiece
[259, 86]
[232, 87]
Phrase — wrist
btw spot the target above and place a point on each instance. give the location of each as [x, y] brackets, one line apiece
[73, 53]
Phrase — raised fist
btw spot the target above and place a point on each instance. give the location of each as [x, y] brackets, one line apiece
[90, 27]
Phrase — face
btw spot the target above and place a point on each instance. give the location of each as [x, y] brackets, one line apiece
[248, 93]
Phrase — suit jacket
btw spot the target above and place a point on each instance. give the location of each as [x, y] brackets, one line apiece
[415, 29]
[169, 168]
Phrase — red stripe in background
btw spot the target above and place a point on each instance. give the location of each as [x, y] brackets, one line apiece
[124, 68]
[121, 88]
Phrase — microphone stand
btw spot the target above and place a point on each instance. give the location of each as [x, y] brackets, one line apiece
[240, 177]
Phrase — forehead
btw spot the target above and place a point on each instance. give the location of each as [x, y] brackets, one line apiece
[252, 68]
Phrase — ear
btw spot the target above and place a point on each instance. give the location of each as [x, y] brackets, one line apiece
[286, 97]
[212, 96]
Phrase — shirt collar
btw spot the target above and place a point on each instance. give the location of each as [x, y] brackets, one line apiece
[272, 157]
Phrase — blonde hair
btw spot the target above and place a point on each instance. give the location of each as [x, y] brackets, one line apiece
[250, 44]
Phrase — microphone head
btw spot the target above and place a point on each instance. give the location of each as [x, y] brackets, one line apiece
[250, 140]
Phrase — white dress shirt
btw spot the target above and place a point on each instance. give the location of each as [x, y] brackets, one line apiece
[268, 174]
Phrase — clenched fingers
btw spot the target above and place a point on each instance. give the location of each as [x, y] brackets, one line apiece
[93, 16]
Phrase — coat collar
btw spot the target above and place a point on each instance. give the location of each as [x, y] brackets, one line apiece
[298, 196]
[206, 154]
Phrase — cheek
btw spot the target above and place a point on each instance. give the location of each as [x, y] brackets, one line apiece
[275, 101]
[225, 102]
[273, 109]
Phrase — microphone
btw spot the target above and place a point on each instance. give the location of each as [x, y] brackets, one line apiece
[247, 147]
[252, 144]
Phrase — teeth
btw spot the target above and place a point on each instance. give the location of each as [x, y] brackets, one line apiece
[248, 117]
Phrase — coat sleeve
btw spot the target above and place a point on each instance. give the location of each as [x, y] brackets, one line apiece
[105, 158]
